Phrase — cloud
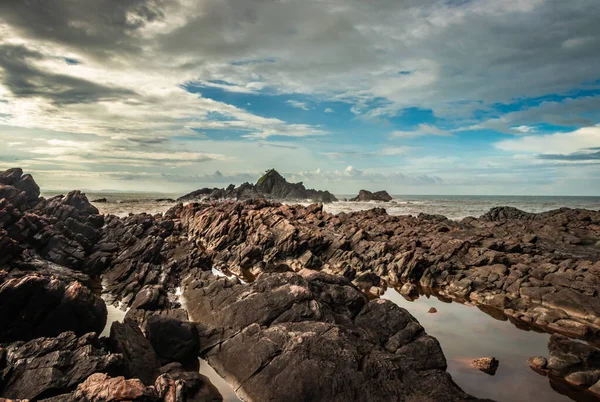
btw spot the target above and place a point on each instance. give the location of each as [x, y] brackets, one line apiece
[524, 129]
[387, 151]
[298, 104]
[111, 76]
[554, 144]
[24, 80]
[422, 129]
[585, 155]
[328, 110]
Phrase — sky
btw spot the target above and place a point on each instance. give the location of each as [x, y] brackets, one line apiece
[412, 96]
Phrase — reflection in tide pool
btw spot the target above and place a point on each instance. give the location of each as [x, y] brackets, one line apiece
[466, 333]
[114, 314]
[223, 386]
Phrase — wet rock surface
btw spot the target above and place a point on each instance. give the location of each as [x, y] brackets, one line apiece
[314, 336]
[270, 186]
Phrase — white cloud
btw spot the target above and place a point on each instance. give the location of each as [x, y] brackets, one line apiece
[524, 129]
[298, 104]
[328, 110]
[422, 129]
[558, 143]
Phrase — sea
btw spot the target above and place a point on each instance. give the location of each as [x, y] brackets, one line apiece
[451, 206]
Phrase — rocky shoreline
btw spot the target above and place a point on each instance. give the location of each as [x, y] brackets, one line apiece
[308, 275]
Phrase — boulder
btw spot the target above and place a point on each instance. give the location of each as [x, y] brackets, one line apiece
[173, 339]
[44, 367]
[29, 187]
[35, 305]
[140, 359]
[488, 365]
[102, 388]
[314, 336]
[11, 176]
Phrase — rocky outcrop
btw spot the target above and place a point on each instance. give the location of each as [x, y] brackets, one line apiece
[45, 367]
[576, 363]
[365, 195]
[305, 313]
[23, 183]
[270, 186]
[314, 336]
[35, 305]
[540, 271]
[51, 253]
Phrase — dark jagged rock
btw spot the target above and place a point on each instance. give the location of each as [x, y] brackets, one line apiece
[11, 176]
[45, 367]
[29, 187]
[140, 359]
[313, 336]
[33, 305]
[365, 195]
[100, 201]
[542, 271]
[270, 186]
[173, 339]
[505, 213]
[18, 188]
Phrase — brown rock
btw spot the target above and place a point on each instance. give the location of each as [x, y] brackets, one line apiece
[488, 365]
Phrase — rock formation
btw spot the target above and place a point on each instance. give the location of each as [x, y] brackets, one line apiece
[51, 255]
[305, 311]
[316, 335]
[270, 186]
[365, 195]
[541, 271]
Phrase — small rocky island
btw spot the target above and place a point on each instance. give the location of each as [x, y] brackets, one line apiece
[365, 195]
[298, 318]
[271, 186]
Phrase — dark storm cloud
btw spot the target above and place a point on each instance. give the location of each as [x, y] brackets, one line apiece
[577, 156]
[24, 80]
[101, 27]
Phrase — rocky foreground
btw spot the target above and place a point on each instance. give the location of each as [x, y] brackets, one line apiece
[304, 324]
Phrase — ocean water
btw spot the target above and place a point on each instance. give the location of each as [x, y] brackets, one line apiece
[451, 206]
[461, 206]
